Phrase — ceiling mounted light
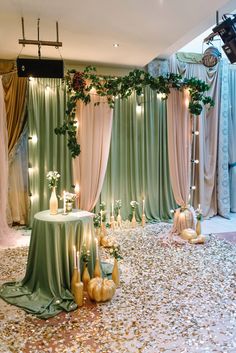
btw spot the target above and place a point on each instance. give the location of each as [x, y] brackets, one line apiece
[116, 45]
[211, 57]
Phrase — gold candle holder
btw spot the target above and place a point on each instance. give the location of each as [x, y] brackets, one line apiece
[79, 293]
[133, 221]
[74, 280]
[143, 220]
[85, 277]
[97, 269]
[119, 219]
[112, 221]
[115, 273]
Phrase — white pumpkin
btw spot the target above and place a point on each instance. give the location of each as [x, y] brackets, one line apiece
[188, 234]
[101, 290]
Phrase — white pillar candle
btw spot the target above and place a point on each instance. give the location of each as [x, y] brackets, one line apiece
[112, 209]
[74, 256]
[96, 241]
[77, 190]
[143, 205]
[78, 264]
[199, 207]
[64, 201]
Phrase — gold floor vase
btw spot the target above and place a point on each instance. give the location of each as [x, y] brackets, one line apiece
[85, 277]
[79, 293]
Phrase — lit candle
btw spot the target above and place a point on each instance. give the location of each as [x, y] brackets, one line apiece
[96, 241]
[199, 206]
[112, 209]
[74, 255]
[64, 201]
[143, 205]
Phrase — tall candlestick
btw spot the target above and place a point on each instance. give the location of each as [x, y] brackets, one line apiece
[77, 190]
[64, 201]
[143, 205]
[78, 265]
[112, 209]
[96, 241]
[74, 255]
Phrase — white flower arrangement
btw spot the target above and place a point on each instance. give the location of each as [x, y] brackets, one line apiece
[69, 197]
[134, 204]
[53, 177]
[118, 204]
[102, 206]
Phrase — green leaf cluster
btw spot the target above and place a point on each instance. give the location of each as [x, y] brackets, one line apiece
[123, 87]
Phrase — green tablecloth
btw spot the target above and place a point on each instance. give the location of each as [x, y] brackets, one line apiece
[45, 289]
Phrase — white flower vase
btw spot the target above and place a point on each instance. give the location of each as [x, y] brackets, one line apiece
[53, 202]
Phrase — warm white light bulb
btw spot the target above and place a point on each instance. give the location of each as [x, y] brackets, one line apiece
[196, 161]
[34, 139]
[31, 78]
[193, 187]
[161, 95]
[138, 109]
[196, 132]
[116, 45]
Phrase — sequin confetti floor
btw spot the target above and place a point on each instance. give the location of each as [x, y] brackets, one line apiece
[175, 299]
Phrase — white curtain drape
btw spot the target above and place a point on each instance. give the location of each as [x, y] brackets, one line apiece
[18, 199]
[94, 134]
[232, 139]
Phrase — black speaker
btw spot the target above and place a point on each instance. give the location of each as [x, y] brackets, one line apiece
[226, 29]
[230, 50]
[40, 68]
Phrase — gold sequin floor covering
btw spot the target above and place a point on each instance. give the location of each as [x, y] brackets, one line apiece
[172, 298]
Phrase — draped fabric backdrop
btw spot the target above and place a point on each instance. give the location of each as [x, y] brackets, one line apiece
[232, 139]
[206, 148]
[138, 161]
[95, 125]
[6, 234]
[46, 110]
[179, 144]
[15, 100]
[18, 193]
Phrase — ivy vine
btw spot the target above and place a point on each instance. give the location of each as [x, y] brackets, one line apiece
[79, 85]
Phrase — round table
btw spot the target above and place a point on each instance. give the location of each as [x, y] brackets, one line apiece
[45, 289]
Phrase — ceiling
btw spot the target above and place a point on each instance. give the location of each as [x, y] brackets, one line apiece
[88, 29]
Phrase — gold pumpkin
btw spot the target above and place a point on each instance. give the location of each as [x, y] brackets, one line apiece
[101, 290]
[183, 219]
[188, 234]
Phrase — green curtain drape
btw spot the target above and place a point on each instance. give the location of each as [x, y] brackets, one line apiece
[46, 110]
[138, 161]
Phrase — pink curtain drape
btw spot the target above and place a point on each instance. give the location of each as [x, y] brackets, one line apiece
[179, 144]
[94, 134]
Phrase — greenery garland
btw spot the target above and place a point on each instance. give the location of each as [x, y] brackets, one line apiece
[79, 85]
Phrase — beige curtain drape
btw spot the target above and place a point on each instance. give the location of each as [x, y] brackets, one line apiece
[179, 142]
[6, 234]
[94, 133]
[15, 100]
[207, 124]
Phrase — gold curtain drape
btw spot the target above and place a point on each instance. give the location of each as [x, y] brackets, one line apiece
[15, 100]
